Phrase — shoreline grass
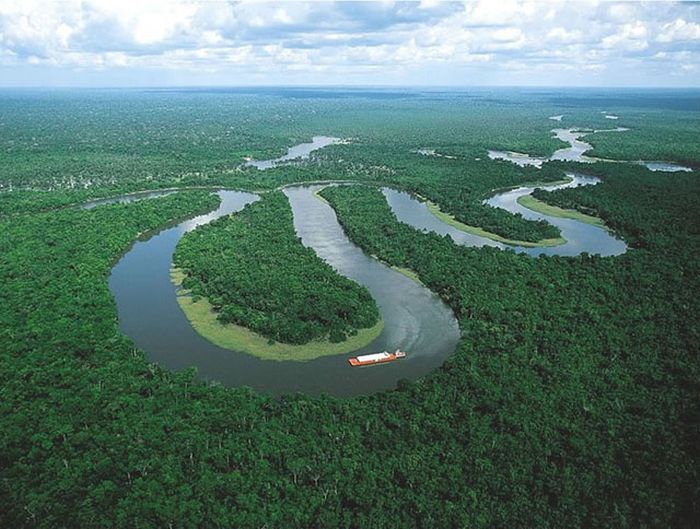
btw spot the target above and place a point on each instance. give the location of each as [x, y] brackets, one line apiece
[317, 194]
[413, 276]
[241, 339]
[530, 202]
[450, 220]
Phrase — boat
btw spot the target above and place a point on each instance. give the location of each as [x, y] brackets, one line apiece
[376, 358]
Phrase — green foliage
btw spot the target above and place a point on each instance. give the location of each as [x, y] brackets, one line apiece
[458, 184]
[572, 400]
[99, 143]
[664, 209]
[586, 365]
[679, 131]
[254, 270]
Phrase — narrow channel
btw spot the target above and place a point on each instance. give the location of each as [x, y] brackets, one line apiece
[576, 150]
[580, 237]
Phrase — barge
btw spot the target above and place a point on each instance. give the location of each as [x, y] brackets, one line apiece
[376, 358]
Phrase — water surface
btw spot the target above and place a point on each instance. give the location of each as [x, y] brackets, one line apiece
[517, 158]
[576, 150]
[297, 152]
[415, 318]
[666, 167]
[126, 199]
[580, 237]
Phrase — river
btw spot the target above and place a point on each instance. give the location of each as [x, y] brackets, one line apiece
[297, 152]
[580, 237]
[576, 150]
[415, 319]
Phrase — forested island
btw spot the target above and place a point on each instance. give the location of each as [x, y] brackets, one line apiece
[253, 271]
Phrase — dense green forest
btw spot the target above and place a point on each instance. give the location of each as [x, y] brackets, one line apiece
[107, 142]
[572, 399]
[87, 143]
[592, 384]
[459, 184]
[253, 269]
[659, 214]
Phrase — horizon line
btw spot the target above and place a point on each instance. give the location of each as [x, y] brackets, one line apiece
[344, 86]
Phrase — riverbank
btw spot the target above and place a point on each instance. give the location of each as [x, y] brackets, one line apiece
[530, 202]
[473, 230]
[237, 338]
[413, 276]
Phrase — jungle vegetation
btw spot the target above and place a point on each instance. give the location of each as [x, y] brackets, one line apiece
[572, 399]
[255, 272]
[106, 142]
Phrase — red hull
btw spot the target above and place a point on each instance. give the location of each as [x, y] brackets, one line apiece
[390, 357]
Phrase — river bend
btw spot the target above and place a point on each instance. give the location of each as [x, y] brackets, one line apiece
[580, 237]
[415, 319]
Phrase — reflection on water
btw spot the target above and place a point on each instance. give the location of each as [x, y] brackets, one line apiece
[298, 152]
[415, 318]
[579, 237]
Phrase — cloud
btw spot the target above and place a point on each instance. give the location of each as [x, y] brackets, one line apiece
[560, 34]
[373, 41]
[629, 37]
[679, 29]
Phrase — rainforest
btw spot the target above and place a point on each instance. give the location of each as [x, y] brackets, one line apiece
[253, 269]
[176, 323]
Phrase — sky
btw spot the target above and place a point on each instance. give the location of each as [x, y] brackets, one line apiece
[427, 43]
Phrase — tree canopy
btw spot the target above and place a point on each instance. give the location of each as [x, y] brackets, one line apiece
[255, 272]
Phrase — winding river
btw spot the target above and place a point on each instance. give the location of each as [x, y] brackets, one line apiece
[576, 150]
[580, 237]
[415, 319]
[297, 152]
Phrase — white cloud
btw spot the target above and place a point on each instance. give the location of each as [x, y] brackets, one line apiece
[620, 12]
[631, 37]
[560, 34]
[507, 34]
[491, 13]
[679, 29]
[346, 38]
